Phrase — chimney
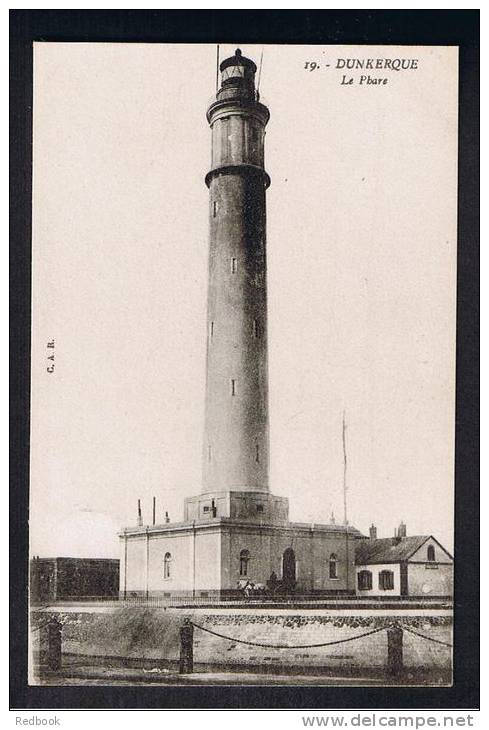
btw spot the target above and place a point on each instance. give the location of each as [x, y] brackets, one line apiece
[373, 532]
[140, 516]
[401, 532]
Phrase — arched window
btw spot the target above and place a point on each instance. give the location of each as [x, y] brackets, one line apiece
[386, 580]
[333, 566]
[430, 553]
[365, 580]
[167, 566]
[244, 558]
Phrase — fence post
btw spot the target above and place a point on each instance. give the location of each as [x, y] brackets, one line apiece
[50, 645]
[186, 647]
[394, 650]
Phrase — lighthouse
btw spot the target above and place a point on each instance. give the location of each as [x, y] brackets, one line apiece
[234, 529]
[236, 437]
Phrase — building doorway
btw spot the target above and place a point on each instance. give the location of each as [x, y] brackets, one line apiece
[288, 569]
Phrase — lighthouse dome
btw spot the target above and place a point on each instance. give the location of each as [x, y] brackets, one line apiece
[237, 70]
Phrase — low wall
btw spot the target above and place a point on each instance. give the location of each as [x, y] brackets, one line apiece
[302, 631]
[152, 635]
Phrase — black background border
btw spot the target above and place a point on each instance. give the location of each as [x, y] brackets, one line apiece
[395, 27]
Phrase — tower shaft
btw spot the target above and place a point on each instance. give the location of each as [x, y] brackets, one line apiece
[236, 436]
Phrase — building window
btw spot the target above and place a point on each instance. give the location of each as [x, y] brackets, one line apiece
[386, 580]
[234, 265]
[259, 508]
[206, 508]
[211, 330]
[233, 387]
[167, 566]
[333, 566]
[214, 208]
[430, 553]
[365, 580]
[257, 453]
[256, 332]
[244, 559]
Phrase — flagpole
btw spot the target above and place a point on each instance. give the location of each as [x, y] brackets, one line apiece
[345, 502]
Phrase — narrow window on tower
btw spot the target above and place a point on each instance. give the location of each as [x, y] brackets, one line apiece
[214, 208]
[257, 454]
[233, 387]
[211, 330]
[234, 265]
[256, 332]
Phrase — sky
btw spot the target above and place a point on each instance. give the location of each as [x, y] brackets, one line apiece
[361, 246]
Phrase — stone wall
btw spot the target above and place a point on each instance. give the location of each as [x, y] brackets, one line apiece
[298, 630]
[152, 635]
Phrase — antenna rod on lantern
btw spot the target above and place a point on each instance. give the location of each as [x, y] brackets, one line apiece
[154, 510]
[217, 70]
[259, 71]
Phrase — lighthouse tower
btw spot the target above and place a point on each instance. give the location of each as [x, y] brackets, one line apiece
[236, 436]
[236, 408]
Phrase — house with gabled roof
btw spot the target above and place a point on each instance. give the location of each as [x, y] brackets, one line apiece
[415, 565]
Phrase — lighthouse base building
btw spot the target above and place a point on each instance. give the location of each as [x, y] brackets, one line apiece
[230, 538]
